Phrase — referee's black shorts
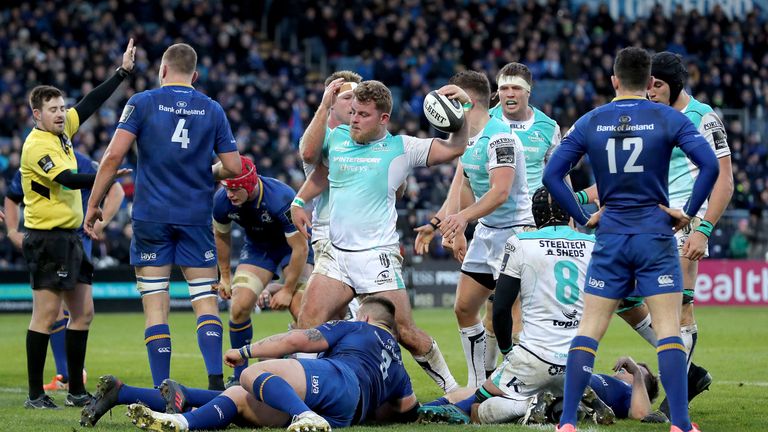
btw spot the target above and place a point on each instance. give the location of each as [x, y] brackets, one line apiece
[56, 259]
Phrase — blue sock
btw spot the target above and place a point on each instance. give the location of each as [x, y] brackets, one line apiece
[437, 402]
[158, 341]
[277, 393]
[466, 404]
[216, 414]
[672, 369]
[198, 397]
[59, 347]
[578, 371]
[149, 397]
[239, 335]
[209, 339]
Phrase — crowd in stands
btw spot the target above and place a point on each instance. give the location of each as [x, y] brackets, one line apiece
[265, 63]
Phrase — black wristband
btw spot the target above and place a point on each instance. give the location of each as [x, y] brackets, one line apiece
[434, 227]
[123, 72]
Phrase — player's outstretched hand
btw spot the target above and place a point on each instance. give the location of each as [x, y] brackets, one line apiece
[460, 247]
[595, 218]
[452, 91]
[329, 95]
[92, 215]
[680, 219]
[233, 358]
[123, 172]
[453, 226]
[628, 364]
[301, 220]
[696, 246]
[424, 236]
[128, 56]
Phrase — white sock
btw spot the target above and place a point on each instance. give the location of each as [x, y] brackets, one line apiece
[435, 366]
[473, 342]
[689, 333]
[501, 410]
[644, 329]
[492, 352]
[301, 355]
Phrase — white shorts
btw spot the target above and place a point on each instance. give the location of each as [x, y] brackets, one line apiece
[682, 235]
[324, 260]
[370, 271]
[486, 250]
[522, 375]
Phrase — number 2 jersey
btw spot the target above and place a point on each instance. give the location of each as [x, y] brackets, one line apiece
[372, 354]
[178, 129]
[551, 264]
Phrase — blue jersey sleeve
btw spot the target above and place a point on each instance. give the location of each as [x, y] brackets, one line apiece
[15, 192]
[565, 157]
[221, 207]
[334, 331]
[130, 119]
[225, 141]
[281, 208]
[85, 165]
[698, 150]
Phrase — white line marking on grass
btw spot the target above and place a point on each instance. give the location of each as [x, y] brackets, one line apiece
[12, 390]
[746, 383]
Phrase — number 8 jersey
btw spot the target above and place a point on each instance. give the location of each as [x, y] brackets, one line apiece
[178, 130]
[551, 264]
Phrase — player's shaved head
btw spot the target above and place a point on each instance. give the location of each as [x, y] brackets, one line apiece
[181, 58]
[348, 76]
[633, 68]
[379, 309]
[475, 83]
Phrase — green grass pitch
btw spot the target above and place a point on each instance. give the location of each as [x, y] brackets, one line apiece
[732, 345]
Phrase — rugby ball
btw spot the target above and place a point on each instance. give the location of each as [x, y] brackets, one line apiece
[446, 115]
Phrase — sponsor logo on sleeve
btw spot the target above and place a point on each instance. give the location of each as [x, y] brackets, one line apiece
[718, 136]
[46, 163]
[505, 154]
[127, 111]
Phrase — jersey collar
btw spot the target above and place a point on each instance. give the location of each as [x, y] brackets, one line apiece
[618, 98]
[385, 328]
[176, 85]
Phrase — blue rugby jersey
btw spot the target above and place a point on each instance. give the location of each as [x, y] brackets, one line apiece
[177, 129]
[373, 354]
[266, 219]
[629, 143]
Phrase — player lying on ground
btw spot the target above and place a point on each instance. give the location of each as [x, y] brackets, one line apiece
[359, 377]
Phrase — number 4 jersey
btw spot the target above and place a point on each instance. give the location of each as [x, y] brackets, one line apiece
[178, 130]
[551, 264]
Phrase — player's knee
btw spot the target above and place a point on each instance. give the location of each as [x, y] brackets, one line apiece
[464, 311]
[238, 395]
[201, 288]
[82, 319]
[240, 312]
[151, 286]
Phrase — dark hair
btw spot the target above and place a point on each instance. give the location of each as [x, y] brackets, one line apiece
[633, 68]
[516, 69]
[380, 309]
[651, 382]
[181, 58]
[376, 92]
[348, 76]
[669, 67]
[475, 83]
[42, 94]
[546, 211]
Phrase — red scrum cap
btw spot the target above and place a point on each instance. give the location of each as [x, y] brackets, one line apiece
[247, 179]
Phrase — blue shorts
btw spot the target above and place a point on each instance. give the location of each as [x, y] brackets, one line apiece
[158, 244]
[269, 257]
[634, 264]
[332, 390]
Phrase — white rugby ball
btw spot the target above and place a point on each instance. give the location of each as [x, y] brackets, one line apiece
[446, 115]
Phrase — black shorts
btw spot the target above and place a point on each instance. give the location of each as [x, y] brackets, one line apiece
[56, 259]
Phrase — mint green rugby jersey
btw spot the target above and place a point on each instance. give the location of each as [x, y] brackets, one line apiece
[495, 146]
[682, 172]
[363, 181]
[539, 135]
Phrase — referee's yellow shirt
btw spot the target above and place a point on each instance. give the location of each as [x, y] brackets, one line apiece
[48, 204]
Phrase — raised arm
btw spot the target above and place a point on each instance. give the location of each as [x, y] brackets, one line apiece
[311, 142]
[447, 150]
[96, 97]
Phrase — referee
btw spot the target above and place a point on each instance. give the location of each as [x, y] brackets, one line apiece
[54, 253]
